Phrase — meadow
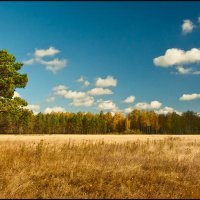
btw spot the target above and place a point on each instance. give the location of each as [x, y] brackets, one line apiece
[134, 166]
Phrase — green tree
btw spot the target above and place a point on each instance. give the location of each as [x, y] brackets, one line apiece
[10, 79]
[11, 108]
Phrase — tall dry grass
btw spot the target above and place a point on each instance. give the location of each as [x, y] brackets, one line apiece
[168, 168]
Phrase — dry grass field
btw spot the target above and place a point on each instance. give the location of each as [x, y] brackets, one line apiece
[135, 167]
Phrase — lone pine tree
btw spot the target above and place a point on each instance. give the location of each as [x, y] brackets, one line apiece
[10, 79]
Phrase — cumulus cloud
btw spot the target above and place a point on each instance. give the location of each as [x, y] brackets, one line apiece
[51, 51]
[128, 110]
[53, 65]
[99, 91]
[50, 99]
[84, 81]
[146, 106]
[54, 109]
[167, 110]
[107, 82]
[74, 94]
[187, 26]
[189, 97]
[69, 94]
[129, 99]
[33, 107]
[174, 57]
[60, 87]
[107, 105]
[177, 56]
[86, 101]
[62, 90]
[155, 104]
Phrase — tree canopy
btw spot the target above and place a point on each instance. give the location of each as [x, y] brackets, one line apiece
[10, 79]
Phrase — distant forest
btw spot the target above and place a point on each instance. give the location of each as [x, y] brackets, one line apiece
[23, 121]
[15, 119]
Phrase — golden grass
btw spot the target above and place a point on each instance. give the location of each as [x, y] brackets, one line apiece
[165, 168]
[63, 138]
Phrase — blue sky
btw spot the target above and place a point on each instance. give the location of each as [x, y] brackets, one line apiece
[147, 51]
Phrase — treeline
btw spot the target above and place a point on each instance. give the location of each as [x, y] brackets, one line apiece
[138, 121]
[171, 123]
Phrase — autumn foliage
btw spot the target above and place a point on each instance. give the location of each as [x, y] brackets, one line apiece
[138, 121]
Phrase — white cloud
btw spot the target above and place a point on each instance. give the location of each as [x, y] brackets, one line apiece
[183, 71]
[53, 65]
[54, 109]
[129, 99]
[196, 72]
[189, 97]
[177, 56]
[50, 99]
[155, 104]
[86, 101]
[187, 26]
[34, 108]
[51, 51]
[74, 94]
[62, 90]
[29, 62]
[84, 81]
[107, 105]
[151, 105]
[107, 82]
[16, 94]
[60, 87]
[167, 110]
[99, 91]
[128, 110]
